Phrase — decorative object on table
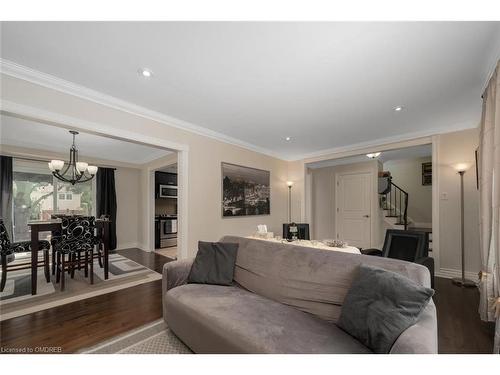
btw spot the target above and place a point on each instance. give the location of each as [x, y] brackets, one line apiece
[408, 245]
[335, 243]
[214, 263]
[427, 173]
[7, 249]
[461, 168]
[77, 236]
[303, 231]
[245, 191]
[380, 305]
[289, 184]
[293, 231]
[75, 171]
[262, 232]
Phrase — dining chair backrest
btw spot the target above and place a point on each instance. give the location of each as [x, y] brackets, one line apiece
[4, 237]
[77, 233]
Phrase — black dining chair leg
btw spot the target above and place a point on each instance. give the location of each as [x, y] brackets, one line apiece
[46, 266]
[4, 272]
[73, 260]
[87, 264]
[92, 266]
[53, 260]
[63, 265]
[58, 265]
[99, 255]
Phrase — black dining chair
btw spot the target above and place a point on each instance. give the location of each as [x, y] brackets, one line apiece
[411, 246]
[77, 236]
[99, 241]
[302, 231]
[8, 249]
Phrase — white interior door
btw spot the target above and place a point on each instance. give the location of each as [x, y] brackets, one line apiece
[353, 212]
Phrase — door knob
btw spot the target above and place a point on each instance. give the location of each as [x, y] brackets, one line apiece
[366, 216]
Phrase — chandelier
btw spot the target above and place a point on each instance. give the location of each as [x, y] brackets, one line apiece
[75, 171]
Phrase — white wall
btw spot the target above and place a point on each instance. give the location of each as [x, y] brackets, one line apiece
[407, 174]
[454, 148]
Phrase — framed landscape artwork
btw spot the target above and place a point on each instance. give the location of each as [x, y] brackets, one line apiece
[245, 191]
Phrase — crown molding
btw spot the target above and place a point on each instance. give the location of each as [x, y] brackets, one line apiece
[15, 70]
[373, 145]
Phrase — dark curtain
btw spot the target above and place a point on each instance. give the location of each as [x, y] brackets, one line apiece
[6, 185]
[106, 200]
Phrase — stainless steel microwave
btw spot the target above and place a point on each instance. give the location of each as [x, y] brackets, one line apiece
[168, 191]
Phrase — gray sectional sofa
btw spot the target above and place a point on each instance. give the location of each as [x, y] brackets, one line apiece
[285, 299]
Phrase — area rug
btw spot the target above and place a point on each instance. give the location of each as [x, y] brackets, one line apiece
[16, 299]
[153, 338]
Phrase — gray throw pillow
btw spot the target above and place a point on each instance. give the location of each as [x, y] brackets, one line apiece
[380, 305]
[214, 263]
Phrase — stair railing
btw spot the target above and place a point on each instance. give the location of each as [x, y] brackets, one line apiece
[396, 202]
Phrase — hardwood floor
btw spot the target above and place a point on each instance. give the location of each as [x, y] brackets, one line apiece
[81, 324]
[459, 328]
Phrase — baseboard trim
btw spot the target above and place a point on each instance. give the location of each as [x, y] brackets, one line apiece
[127, 245]
[449, 273]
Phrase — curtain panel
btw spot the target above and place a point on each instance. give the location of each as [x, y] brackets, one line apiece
[106, 200]
[6, 186]
[489, 196]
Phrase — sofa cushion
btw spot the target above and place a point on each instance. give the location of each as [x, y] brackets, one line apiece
[315, 281]
[214, 263]
[380, 305]
[230, 319]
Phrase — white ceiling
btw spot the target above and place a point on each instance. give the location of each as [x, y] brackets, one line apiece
[326, 85]
[413, 152]
[29, 134]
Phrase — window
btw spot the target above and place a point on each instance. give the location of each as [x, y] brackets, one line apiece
[34, 197]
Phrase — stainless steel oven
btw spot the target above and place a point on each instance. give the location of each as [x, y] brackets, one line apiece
[168, 191]
[168, 231]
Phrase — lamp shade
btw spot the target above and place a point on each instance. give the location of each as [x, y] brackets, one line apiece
[289, 183]
[81, 166]
[92, 169]
[57, 164]
[461, 167]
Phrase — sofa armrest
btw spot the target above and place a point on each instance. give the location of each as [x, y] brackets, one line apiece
[429, 263]
[176, 273]
[420, 338]
[374, 252]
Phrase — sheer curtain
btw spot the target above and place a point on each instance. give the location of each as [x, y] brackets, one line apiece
[489, 195]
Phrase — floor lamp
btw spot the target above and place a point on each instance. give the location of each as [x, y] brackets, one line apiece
[289, 184]
[462, 281]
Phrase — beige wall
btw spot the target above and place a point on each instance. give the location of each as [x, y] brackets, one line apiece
[454, 148]
[205, 156]
[323, 199]
[407, 174]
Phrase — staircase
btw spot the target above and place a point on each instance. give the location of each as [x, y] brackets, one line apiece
[394, 202]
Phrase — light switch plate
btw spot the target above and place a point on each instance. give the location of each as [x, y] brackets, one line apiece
[444, 196]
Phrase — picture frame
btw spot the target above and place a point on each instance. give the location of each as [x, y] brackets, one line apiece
[246, 191]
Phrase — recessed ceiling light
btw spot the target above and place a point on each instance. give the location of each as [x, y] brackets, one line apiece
[146, 73]
[288, 139]
[373, 155]
[399, 108]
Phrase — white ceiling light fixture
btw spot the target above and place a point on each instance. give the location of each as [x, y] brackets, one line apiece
[288, 139]
[399, 108]
[145, 73]
[373, 155]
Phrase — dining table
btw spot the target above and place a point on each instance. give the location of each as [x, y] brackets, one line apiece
[38, 226]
